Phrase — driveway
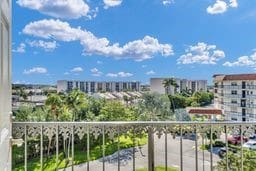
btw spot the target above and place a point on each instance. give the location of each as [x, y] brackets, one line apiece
[173, 156]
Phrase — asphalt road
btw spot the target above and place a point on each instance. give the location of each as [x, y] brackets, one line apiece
[141, 161]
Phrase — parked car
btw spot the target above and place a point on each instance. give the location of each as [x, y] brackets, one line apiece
[236, 140]
[222, 151]
[252, 137]
[251, 144]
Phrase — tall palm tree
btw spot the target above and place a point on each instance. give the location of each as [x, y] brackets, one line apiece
[168, 82]
[74, 100]
[55, 103]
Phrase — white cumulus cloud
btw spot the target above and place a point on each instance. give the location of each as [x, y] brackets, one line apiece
[35, 70]
[233, 3]
[248, 61]
[151, 72]
[201, 53]
[77, 69]
[47, 46]
[137, 50]
[167, 2]
[112, 3]
[221, 6]
[120, 74]
[99, 62]
[95, 72]
[69, 9]
[21, 48]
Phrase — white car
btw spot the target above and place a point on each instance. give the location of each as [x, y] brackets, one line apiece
[253, 137]
[251, 144]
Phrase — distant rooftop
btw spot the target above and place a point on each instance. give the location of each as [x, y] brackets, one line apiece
[205, 111]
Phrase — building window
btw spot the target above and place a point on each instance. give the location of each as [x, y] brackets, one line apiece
[70, 85]
[93, 87]
[82, 86]
[234, 101]
[134, 87]
[233, 92]
[100, 87]
[117, 87]
[233, 109]
[234, 84]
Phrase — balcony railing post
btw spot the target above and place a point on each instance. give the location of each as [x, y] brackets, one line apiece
[88, 147]
[103, 148]
[57, 146]
[72, 146]
[118, 148]
[211, 146]
[166, 148]
[26, 148]
[181, 148]
[196, 148]
[242, 152]
[151, 164]
[203, 151]
[227, 151]
[41, 148]
[133, 149]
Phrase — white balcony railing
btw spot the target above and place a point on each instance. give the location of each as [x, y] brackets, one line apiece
[104, 131]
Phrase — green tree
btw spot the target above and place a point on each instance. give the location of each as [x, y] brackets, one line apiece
[235, 162]
[74, 101]
[55, 103]
[168, 83]
[115, 111]
[154, 106]
[22, 93]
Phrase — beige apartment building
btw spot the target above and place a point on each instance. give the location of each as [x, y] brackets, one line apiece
[97, 86]
[236, 96]
[156, 85]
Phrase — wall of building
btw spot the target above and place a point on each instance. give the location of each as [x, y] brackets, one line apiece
[156, 85]
[93, 86]
[5, 85]
[229, 96]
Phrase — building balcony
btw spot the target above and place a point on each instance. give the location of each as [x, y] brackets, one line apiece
[236, 87]
[100, 145]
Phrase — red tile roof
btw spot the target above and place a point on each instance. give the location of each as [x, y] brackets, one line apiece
[205, 111]
[236, 77]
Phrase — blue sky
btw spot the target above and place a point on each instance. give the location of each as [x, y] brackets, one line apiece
[131, 39]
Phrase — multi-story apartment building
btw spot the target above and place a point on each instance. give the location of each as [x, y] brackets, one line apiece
[94, 86]
[236, 96]
[156, 85]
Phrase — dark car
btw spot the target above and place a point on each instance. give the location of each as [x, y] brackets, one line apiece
[222, 151]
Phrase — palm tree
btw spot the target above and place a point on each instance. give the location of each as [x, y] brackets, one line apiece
[74, 100]
[55, 103]
[22, 93]
[168, 82]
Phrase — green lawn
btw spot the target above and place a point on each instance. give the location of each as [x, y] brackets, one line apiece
[159, 168]
[80, 155]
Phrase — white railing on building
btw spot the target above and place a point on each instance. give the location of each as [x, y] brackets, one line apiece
[56, 130]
